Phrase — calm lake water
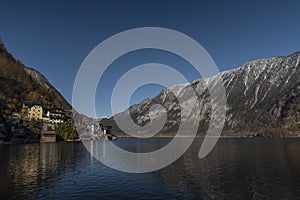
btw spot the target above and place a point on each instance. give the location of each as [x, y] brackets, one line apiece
[257, 168]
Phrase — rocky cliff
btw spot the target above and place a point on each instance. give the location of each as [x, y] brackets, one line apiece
[263, 98]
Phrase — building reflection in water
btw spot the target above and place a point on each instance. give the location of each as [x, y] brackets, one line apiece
[244, 168]
[30, 167]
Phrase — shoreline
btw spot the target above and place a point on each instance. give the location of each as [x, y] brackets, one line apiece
[232, 134]
[170, 136]
[250, 137]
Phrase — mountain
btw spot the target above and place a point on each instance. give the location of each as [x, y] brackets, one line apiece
[20, 83]
[263, 98]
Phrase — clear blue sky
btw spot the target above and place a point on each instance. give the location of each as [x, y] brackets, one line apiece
[55, 36]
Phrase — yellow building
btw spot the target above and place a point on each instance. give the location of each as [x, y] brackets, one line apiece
[35, 112]
[25, 108]
[32, 110]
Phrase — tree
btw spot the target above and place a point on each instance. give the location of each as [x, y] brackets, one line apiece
[50, 128]
[65, 130]
[34, 126]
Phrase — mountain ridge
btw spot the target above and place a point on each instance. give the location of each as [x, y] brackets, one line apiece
[21, 83]
[263, 98]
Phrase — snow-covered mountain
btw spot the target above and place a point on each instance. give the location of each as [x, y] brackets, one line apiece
[263, 98]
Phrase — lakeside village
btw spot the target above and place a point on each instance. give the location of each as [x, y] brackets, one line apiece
[41, 123]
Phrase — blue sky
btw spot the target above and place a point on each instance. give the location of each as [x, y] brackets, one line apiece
[54, 37]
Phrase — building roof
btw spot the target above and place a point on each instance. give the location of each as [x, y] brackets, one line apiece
[54, 110]
[30, 104]
[49, 132]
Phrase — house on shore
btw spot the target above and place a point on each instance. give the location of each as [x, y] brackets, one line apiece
[19, 134]
[36, 111]
[32, 110]
[48, 136]
[55, 115]
[50, 116]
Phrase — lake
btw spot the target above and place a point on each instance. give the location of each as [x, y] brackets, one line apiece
[237, 168]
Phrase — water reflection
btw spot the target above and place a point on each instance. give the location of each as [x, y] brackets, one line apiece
[239, 168]
[25, 169]
[236, 168]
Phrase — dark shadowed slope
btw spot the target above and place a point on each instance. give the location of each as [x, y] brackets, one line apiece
[19, 83]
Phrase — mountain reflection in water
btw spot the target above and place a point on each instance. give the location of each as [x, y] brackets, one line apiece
[236, 168]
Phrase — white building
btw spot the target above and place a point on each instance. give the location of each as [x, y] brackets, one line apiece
[55, 116]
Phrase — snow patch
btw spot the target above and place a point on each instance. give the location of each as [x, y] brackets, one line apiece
[255, 96]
